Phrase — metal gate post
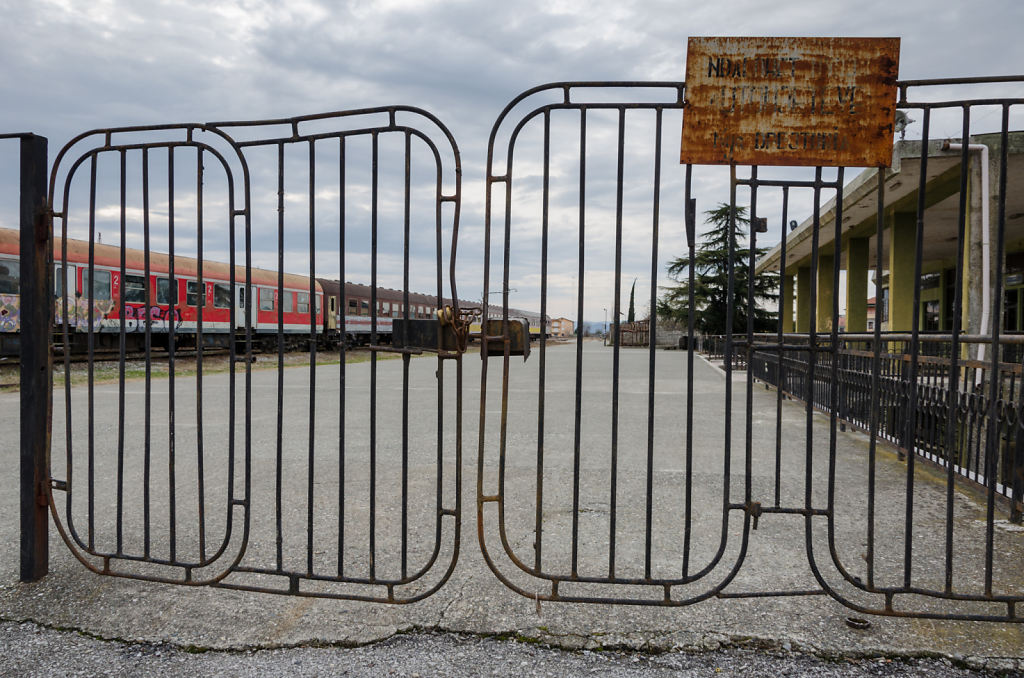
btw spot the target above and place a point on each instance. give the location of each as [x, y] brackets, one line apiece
[36, 365]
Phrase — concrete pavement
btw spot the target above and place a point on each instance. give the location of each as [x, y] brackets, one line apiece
[473, 600]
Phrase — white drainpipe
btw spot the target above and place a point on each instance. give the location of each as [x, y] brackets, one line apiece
[986, 293]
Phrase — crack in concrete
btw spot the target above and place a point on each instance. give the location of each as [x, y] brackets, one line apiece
[720, 642]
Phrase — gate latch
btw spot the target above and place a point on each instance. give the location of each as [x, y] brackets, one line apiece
[753, 509]
[459, 323]
[517, 337]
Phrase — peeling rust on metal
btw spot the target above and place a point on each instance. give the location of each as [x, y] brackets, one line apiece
[790, 101]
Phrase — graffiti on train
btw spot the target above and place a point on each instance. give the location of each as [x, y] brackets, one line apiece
[103, 317]
[10, 312]
[159, 318]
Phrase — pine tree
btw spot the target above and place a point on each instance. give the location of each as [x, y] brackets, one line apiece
[631, 316]
[711, 280]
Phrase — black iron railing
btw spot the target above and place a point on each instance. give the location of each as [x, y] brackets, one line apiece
[953, 415]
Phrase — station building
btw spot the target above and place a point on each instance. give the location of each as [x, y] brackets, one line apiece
[859, 244]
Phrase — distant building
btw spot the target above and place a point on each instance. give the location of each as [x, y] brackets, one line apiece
[635, 333]
[561, 327]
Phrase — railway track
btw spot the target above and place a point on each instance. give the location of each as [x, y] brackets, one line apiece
[115, 355]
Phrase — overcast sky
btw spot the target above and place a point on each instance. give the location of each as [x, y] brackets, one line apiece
[74, 66]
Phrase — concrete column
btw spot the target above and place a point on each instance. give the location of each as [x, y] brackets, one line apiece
[803, 299]
[902, 233]
[974, 270]
[786, 303]
[856, 284]
[826, 264]
[943, 281]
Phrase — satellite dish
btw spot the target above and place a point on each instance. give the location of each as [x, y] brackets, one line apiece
[900, 124]
[792, 224]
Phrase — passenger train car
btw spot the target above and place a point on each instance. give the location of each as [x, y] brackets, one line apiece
[355, 312]
[164, 294]
[359, 320]
[172, 303]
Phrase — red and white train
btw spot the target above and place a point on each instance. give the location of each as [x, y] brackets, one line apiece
[171, 306]
[170, 303]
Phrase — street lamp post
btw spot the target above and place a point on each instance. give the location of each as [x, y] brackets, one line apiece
[487, 305]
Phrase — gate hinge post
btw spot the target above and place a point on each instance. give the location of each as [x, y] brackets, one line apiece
[36, 384]
[753, 509]
[42, 498]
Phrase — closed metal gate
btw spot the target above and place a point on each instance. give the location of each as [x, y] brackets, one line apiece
[644, 478]
[207, 477]
[636, 482]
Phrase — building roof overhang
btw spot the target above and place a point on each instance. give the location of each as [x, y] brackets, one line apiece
[943, 180]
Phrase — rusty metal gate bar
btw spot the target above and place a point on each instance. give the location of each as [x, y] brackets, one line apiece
[173, 551]
[90, 319]
[976, 598]
[371, 586]
[547, 549]
[570, 582]
[502, 509]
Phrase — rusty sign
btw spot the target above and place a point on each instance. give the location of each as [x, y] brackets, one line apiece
[790, 101]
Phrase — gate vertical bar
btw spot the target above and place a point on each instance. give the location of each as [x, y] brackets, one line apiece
[581, 260]
[538, 524]
[690, 217]
[343, 302]
[311, 463]
[652, 342]
[36, 356]
[614, 475]
[780, 369]
[876, 369]
[748, 423]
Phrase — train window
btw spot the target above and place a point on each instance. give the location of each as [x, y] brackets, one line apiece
[318, 297]
[289, 306]
[134, 291]
[303, 302]
[165, 294]
[100, 285]
[222, 295]
[266, 299]
[192, 296]
[365, 308]
[10, 280]
[353, 307]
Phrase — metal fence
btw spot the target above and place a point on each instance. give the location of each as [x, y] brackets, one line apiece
[952, 416]
[205, 480]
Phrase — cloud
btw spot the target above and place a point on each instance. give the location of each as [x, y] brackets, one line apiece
[73, 66]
